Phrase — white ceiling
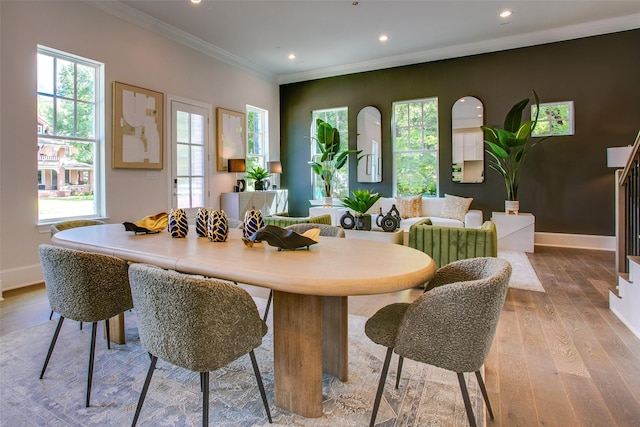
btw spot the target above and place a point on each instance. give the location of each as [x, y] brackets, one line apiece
[336, 37]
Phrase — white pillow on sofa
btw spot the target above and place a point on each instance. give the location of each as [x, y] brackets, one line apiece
[455, 207]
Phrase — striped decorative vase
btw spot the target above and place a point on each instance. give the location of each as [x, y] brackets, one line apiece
[201, 222]
[217, 226]
[252, 222]
[178, 225]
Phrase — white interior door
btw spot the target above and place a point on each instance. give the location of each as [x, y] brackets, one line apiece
[190, 154]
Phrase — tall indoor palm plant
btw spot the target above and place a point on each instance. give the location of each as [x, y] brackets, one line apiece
[508, 147]
[332, 157]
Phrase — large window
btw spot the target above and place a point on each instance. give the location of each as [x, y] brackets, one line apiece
[415, 147]
[338, 118]
[257, 138]
[70, 93]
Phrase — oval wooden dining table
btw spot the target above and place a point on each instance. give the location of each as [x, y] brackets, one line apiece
[311, 289]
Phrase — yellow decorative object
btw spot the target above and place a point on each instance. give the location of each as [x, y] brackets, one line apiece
[312, 233]
[157, 222]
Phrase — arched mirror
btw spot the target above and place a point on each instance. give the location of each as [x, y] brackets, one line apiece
[370, 142]
[467, 115]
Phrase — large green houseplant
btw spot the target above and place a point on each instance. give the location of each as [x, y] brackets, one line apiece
[509, 146]
[332, 157]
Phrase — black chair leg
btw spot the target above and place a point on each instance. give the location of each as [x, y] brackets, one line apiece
[92, 353]
[80, 325]
[467, 401]
[400, 360]
[106, 326]
[383, 379]
[145, 387]
[266, 310]
[484, 393]
[260, 385]
[51, 315]
[53, 344]
[204, 380]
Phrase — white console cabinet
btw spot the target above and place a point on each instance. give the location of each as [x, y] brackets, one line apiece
[268, 202]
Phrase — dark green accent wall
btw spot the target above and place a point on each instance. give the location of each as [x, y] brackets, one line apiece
[566, 183]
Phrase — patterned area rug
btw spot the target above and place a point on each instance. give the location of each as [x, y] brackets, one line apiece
[523, 276]
[427, 396]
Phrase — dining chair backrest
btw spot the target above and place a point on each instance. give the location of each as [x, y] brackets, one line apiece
[85, 286]
[193, 322]
[452, 325]
[325, 230]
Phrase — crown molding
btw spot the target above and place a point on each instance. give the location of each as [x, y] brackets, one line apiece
[593, 28]
[134, 16]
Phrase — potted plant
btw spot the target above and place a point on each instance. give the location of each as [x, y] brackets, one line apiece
[259, 175]
[361, 202]
[508, 148]
[332, 158]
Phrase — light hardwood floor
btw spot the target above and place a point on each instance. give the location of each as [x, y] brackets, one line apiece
[559, 358]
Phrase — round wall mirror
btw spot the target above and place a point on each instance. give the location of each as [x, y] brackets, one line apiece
[467, 115]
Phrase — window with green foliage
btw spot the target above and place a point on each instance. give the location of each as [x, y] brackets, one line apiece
[339, 119]
[556, 118]
[70, 94]
[415, 147]
[257, 138]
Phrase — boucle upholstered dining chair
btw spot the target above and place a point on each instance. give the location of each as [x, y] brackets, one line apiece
[87, 287]
[325, 230]
[450, 326]
[195, 323]
[73, 223]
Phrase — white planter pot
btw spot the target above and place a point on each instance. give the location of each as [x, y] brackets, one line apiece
[511, 206]
[327, 202]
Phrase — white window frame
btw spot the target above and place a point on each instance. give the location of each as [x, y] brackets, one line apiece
[343, 129]
[549, 120]
[435, 151]
[98, 139]
[261, 157]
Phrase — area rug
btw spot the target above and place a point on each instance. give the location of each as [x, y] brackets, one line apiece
[427, 396]
[523, 276]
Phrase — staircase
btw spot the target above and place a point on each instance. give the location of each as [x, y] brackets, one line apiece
[625, 301]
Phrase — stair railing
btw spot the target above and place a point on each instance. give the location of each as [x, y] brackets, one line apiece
[629, 209]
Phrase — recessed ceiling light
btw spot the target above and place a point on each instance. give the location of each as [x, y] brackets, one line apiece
[506, 14]
[195, 1]
[383, 38]
[292, 56]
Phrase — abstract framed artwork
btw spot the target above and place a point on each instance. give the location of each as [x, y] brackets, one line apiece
[138, 124]
[231, 134]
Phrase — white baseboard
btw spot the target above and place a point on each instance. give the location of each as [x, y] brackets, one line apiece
[14, 278]
[579, 241]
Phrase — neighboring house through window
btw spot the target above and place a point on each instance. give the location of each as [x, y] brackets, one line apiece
[415, 147]
[70, 130]
[338, 118]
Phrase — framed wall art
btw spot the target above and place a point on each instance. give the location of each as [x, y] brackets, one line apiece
[231, 134]
[138, 124]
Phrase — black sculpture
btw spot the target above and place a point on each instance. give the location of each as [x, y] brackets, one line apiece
[280, 238]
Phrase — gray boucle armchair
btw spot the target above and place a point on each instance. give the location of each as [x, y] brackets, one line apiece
[196, 323]
[87, 287]
[450, 326]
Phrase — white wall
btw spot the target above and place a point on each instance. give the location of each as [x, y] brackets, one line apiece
[131, 55]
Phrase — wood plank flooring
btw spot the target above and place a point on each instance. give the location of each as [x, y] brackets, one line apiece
[559, 358]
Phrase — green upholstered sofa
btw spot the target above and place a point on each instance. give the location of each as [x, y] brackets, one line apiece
[285, 221]
[448, 244]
